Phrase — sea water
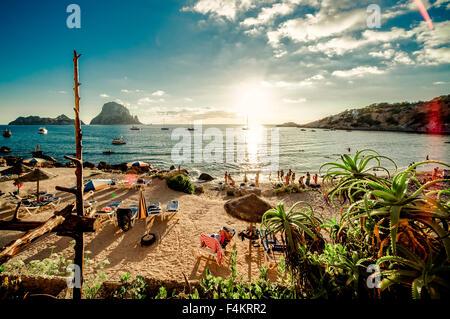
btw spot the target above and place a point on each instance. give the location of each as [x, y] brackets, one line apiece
[301, 151]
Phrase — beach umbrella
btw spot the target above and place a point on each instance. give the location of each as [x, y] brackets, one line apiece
[95, 185]
[142, 212]
[137, 164]
[249, 208]
[35, 175]
[34, 161]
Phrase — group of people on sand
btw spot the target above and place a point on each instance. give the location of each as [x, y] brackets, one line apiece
[303, 181]
[230, 181]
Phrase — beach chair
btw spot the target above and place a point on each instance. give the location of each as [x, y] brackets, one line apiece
[212, 247]
[109, 211]
[30, 206]
[172, 206]
[154, 208]
[273, 249]
[126, 217]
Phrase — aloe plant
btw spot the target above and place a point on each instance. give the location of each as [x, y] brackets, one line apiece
[350, 170]
[394, 203]
[297, 225]
[431, 275]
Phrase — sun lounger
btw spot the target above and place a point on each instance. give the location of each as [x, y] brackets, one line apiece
[109, 211]
[211, 246]
[172, 206]
[273, 249]
[154, 208]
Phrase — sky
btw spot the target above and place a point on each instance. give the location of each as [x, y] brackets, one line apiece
[221, 61]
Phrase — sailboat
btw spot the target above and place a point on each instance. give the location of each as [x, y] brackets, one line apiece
[164, 124]
[7, 133]
[245, 128]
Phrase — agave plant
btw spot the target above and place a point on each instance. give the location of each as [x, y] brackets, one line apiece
[428, 276]
[351, 170]
[393, 204]
[298, 226]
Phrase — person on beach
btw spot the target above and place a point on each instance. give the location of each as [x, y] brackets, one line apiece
[281, 175]
[245, 178]
[300, 181]
[278, 175]
[315, 178]
[257, 179]
[308, 179]
[226, 178]
[287, 179]
[427, 158]
[231, 180]
[293, 178]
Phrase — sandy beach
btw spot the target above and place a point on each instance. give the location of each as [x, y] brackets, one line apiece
[176, 249]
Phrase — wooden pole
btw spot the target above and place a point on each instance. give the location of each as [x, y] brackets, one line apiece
[79, 237]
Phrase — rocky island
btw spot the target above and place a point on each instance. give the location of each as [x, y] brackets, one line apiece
[420, 117]
[36, 120]
[114, 114]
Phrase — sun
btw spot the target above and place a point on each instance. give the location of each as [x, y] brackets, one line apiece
[254, 102]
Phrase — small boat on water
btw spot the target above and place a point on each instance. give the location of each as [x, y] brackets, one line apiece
[134, 128]
[245, 128]
[164, 128]
[7, 133]
[42, 130]
[191, 129]
[108, 152]
[118, 141]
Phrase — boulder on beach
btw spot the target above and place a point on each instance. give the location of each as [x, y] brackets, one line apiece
[5, 149]
[250, 208]
[104, 165]
[88, 165]
[205, 177]
[198, 189]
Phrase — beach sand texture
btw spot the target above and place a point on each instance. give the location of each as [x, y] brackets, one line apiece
[178, 235]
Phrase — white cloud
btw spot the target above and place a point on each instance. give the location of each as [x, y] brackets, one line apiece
[294, 101]
[318, 26]
[221, 8]
[359, 71]
[62, 92]
[269, 13]
[145, 100]
[158, 93]
[440, 83]
[104, 95]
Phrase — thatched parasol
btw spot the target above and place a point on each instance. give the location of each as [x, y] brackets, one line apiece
[35, 176]
[249, 208]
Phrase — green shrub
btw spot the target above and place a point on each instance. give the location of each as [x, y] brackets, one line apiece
[181, 183]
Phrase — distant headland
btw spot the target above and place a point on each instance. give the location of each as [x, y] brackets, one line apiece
[419, 117]
[36, 120]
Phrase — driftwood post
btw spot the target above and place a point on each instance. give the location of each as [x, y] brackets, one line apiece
[79, 237]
